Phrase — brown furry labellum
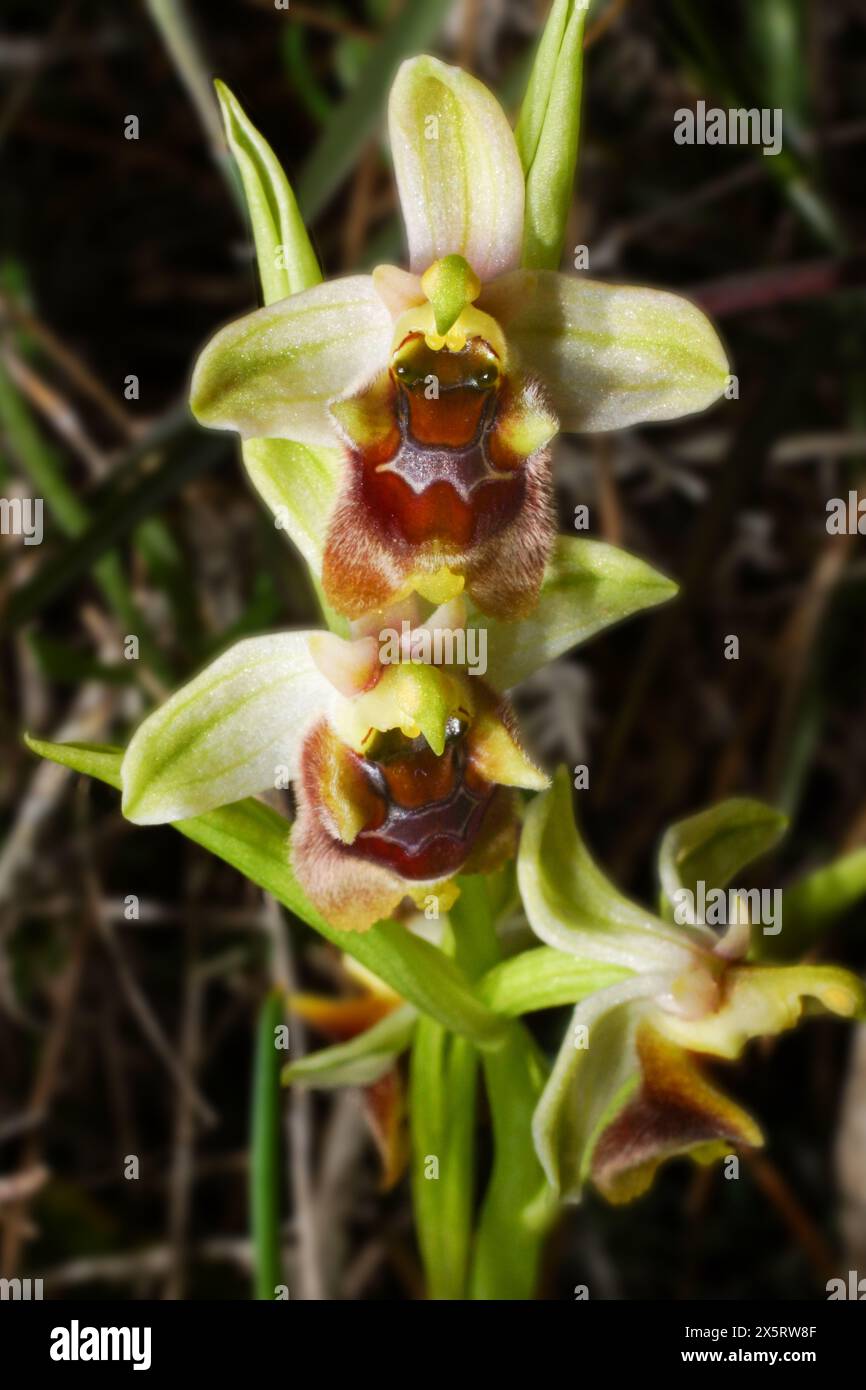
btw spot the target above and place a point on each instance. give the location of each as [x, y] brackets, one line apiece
[447, 477]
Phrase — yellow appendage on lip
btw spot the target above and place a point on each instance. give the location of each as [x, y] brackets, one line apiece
[449, 318]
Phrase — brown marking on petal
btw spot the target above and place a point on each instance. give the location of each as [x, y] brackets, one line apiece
[416, 818]
[386, 1113]
[676, 1110]
[360, 572]
[462, 481]
[504, 576]
[497, 839]
[430, 810]
[350, 892]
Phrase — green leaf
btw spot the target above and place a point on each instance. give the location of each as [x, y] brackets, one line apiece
[362, 1060]
[443, 1087]
[298, 482]
[548, 132]
[254, 839]
[715, 844]
[287, 262]
[813, 904]
[543, 978]
[97, 760]
[572, 906]
[588, 586]
[265, 1151]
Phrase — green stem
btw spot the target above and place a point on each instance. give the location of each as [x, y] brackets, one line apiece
[518, 1206]
[443, 1094]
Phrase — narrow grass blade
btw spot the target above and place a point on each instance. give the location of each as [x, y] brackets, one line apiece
[265, 1151]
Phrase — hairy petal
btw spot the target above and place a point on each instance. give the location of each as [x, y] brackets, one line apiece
[458, 171]
[272, 373]
[225, 734]
[350, 892]
[398, 289]
[609, 355]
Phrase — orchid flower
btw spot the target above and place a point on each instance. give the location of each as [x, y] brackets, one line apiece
[402, 771]
[628, 1089]
[369, 1028]
[420, 404]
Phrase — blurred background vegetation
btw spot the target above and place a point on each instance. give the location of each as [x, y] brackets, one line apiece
[118, 257]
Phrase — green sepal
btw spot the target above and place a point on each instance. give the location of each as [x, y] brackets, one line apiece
[548, 133]
[362, 1060]
[286, 259]
[713, 845]
[588, 585]
[544, 978]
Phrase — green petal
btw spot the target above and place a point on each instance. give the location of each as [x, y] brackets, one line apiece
[572, 906]
[763, 1000]
[361, 1061]
[227, 734]
[286, 260]
[272, 373]
[548, 131]
[609, 355]
[457, 167]
[715, 844]
[588, 586]
[815, 902]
